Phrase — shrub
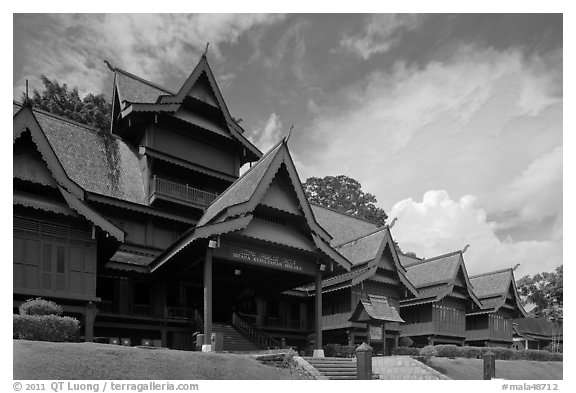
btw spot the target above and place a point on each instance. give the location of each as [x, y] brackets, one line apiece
[405, 351]
[45, 327]
[428, 351]
[39, 306]
[446, 351]
[502, 353]
[405, 342]
[471, 352]
[543, 356]
[340, 351]
[330, 350]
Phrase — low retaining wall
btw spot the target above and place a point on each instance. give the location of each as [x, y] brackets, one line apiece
[403, 367]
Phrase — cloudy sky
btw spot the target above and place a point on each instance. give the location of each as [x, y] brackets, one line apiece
[454, 122]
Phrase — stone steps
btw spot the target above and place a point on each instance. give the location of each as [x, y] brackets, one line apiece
[334, 368]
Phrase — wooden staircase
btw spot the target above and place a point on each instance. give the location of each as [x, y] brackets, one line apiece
[234, 341]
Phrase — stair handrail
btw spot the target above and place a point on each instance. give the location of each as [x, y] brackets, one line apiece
[263, 339]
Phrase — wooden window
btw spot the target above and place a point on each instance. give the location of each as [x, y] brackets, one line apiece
[54, 272]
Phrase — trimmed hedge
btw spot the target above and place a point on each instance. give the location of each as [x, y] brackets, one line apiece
[447, 351]
[45, 327]
[340, 351]
[501, 353]
[451, 351]
[39, 306]
[405, 351]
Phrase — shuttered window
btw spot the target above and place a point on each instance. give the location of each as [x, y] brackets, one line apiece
[53, 258]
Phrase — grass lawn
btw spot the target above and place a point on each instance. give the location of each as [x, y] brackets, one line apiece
[461, 368]
[44, 360]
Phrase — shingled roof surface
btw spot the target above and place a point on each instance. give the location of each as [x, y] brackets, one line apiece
[363, 249]
[538, 326]
[135, 89]
[332, 281]
[342, 227]
[97, 162]
[430, 271]
[377, 307]
[242, 189]
[131, 258]
[491, 284]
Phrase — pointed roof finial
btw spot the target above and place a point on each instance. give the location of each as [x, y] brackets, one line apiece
[465, 248]
[515, 267]
[393, 222]
[206, 50]
[27, 101]
[112, 68]
[289, 133]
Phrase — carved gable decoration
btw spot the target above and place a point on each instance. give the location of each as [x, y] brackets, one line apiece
[201, 90]
[281, 195]
[29, 165]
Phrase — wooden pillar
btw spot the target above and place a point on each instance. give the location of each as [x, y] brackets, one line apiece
[368, 334]
[89, 317]
[384, 338]
[351, 337]
[164, 335]
[207, 300]
[318, 352]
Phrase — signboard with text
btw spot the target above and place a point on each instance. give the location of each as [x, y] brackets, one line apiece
[265, 259]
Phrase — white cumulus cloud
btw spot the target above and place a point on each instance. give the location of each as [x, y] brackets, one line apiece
[438, 225]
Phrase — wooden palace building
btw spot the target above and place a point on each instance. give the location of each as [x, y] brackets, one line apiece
[149, 233]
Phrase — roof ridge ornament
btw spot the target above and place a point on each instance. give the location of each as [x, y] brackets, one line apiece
[27, 102]
[287, 137]
[465, 248]
[206, 50]
[112, 68]
[392, 223]
[515, 267]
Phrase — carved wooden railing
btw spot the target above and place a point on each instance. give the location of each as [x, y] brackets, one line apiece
[262, 339]
[178, 313]
[181, 192]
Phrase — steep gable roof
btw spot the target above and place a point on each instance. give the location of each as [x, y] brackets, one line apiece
[95, 161]
[154, 98]
[492, 283]
[436, 277]
[28, 121]
[492, 289]
[364, 253]
[341, 226]
[132, 88]
[375, 308]
[364, 248]
[240, 200]
[440, 269]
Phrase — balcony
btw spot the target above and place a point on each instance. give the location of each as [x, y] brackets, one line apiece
[489, 335]
[179, 193]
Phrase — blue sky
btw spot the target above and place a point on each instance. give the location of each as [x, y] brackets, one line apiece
[454, 122]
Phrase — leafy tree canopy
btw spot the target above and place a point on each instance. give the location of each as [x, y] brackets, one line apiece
[545, 291]
[93, 110]
[344, 194]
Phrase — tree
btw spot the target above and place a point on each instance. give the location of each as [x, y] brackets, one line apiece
[93, 110]
[344, 194]
[545, 291]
